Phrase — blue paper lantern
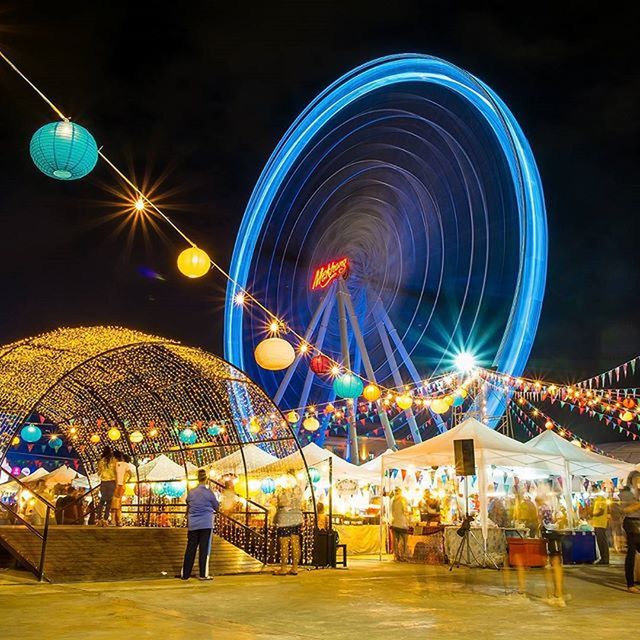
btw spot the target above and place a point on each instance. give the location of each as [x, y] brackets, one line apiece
[268, 486]
[55, 443]
[64, 150]
[31, 433]
[188, 436]
[314, 474]
[348, 386]
[173, 489]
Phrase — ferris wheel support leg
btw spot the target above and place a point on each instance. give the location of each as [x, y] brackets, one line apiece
[366, 361]
[352, 440]
[413, 372]
[393, 365]
[326, 302]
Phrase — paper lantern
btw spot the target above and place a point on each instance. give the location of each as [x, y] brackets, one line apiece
[55, 442]
[292, 417]
[254, 425]
[448, 400]
[348, 386]
[320, 364]
[628, 403]
[404, 401]
[548, 424]
[94, 439]
[173, 489]
[30, 433]
[136, 437]
[268, 486]
[214, 430]
[64, 150]
[25, 471]
[274, 354]
[114, 434]
[458, 399]
[626, 416]
[314, 475]
[15, 441]
[311, 423]
[439, 405]
[371, 392]
[193, 262]
[188, 436]
[329, 409]
[15, 471]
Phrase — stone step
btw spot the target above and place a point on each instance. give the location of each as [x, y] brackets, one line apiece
[77, 553]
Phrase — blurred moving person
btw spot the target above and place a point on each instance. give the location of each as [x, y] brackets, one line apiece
[630, 505]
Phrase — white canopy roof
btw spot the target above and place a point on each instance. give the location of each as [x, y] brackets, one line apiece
[38, 474]
[61, 475]
[318, 457]
[581, 461]
[163, 468]
[491, 448]
[254, 458]
[375, 464]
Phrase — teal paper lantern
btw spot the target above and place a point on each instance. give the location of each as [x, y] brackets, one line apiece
[268, 486]
[314, 475]
[64, 150]
[348, 386]
[173, 489]
[188, 436]
[30, 433]
[55, 443]
[458, 400]
[214, 430]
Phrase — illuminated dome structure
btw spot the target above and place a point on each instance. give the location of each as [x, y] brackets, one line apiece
[144, 395]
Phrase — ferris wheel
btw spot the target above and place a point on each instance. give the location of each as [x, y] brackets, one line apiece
[399, 222]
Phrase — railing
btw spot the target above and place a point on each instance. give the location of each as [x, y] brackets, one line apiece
[44, 535]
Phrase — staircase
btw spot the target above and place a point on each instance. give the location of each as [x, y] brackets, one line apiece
[84, 553]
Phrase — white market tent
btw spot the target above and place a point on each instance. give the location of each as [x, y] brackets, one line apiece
[581, 462]
[251, 457]
[318, 457]
[491, 448]
[163, 468]
[61, 475]
[375, 464]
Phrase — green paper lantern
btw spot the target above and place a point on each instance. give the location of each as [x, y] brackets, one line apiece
[64, 150]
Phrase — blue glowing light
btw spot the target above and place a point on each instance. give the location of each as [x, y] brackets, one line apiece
[517, 338]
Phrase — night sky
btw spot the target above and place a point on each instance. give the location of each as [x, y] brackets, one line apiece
[196, 97]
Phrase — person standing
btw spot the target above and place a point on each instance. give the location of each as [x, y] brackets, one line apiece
[123, 474]
[107, 472]
[630, 505]
[600, 522]
[399, 524]
[201, 507]
[288, 521]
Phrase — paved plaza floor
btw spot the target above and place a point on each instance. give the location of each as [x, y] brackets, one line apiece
[369, 600]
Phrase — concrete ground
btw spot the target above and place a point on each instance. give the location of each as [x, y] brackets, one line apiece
[370, 599]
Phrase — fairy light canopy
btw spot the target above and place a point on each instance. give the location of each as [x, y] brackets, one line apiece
[139, 393]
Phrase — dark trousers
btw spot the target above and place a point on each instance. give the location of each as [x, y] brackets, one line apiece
[633, 547]
[107, 489]
[197, 539]
[603, 544]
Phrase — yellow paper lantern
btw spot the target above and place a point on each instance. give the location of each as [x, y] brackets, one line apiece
[448, 400]
[16, 441]
[371, 392]
[292, 417]
[626, 416]
[329, 409]
[136, 437]
[404, 401]
[439, 405]
[254, 425]
[95, 438]
[114, 434]
[462, 392]
[194, 262]
[311, 424]
[274, 354]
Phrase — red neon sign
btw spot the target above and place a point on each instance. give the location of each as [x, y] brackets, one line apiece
[323, 276]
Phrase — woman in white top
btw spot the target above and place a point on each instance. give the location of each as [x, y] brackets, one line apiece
[123, 474]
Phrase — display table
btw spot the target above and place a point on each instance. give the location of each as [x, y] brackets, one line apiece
[426, 547]
[360, 539]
